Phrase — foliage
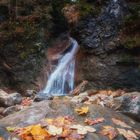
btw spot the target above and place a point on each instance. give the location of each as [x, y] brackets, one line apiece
[60, 23]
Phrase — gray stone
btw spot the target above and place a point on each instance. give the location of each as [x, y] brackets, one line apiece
[10, 110]
[9, 99]
[129, 104]
[6, 135]
[30, 93]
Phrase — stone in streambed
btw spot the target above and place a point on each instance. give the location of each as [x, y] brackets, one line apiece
[10, 110]
[9, 99]
[42, 96]
[129, 104]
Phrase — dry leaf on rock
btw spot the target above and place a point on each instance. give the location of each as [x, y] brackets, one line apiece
[93, 122]
[119, 122]
[109, 131]
[83, 129]
[1, 138]
[82, 110]
[39, 133]
[36, 131]
[137, 132]
[53, 130]
[128, 134]
[11, 129]
[26, 101]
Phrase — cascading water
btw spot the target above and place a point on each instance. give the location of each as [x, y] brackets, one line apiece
[61, 81]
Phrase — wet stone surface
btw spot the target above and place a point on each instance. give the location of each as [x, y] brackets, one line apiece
[62, 106]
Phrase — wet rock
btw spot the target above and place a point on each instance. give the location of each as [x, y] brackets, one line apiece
[6, 135]
[60, 107]
[10, 110]
[28, 116]
[128, 104]
[42, 96]
[30, 93]
[9, 99]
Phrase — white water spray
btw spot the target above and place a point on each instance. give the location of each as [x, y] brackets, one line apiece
[61, 81]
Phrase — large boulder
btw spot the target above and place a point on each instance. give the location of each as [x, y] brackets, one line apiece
[64, 107]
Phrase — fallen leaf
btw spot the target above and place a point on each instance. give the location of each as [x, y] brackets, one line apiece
[119, 122]
[93, 122]
[36, 131]
[39, 133]
[53, 130]
[28, 138]
[109, 131]
[1, 138]
[82, 130]
[26, 101]
[82, 110]
[11, 129]
[128, 134]
[137, 132]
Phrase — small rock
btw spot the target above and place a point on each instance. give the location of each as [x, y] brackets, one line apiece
[79, 98]
[30, 93]
[9, 99]
[42, 96]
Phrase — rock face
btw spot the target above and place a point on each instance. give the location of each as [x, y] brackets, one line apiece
[9, 99]
[64, 107]
[23, 39]
[104, 61]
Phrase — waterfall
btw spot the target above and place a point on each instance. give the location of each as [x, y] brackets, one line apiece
[61, 80]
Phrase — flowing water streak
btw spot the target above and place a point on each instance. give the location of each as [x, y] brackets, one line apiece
[61, 81]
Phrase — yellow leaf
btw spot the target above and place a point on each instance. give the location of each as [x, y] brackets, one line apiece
[53, 130]
[119, 122]
[128, 134]
[39, 133]
[82, 110]
[11, 129]
[49, 121]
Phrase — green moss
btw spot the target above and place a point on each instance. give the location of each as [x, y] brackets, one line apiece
[131, 42]
[87, 9]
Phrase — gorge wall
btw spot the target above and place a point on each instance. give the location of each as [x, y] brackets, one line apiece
[110, 44]
[107, 32]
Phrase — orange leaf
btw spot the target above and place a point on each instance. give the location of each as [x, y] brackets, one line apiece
[128, 134]
[119, 122]
[96, 121]
[109, 131]
[1, 138]
[26, 102]
[82, 110]
[39, 133]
